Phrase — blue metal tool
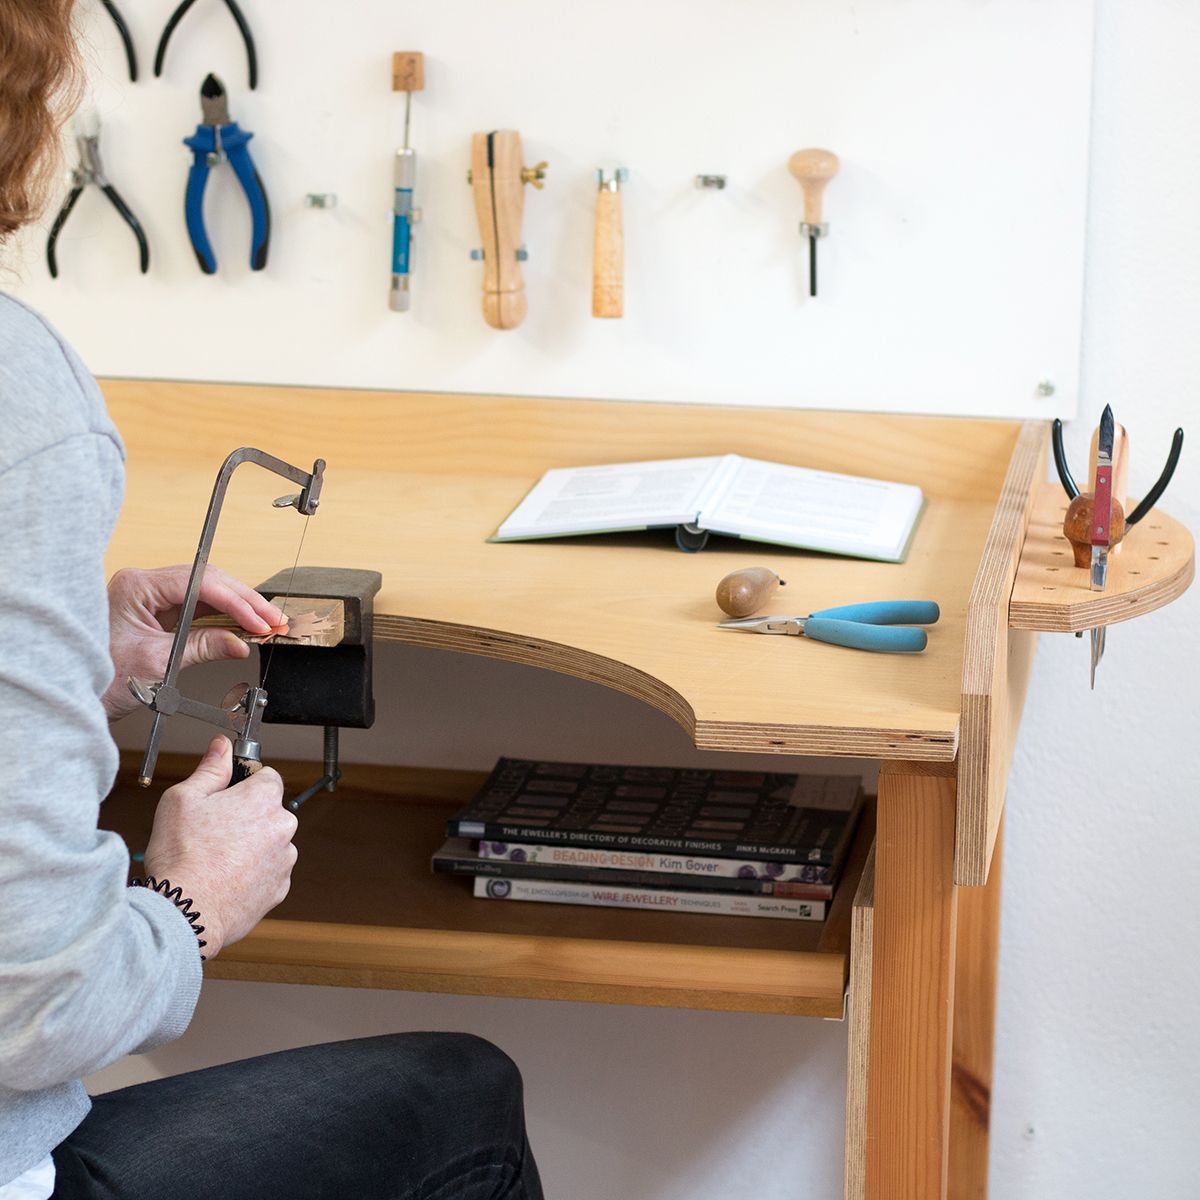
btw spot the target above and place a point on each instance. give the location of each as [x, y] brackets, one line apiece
[408, 76]
[216, 140]
[882, 625]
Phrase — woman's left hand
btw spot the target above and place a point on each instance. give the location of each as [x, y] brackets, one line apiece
[143, 610]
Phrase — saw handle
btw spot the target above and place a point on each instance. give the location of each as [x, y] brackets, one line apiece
[243, 768]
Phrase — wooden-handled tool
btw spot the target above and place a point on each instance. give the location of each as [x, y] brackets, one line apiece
[608, 247]
[813, 169]
[408, 76]
[744, 592]
[498, 180]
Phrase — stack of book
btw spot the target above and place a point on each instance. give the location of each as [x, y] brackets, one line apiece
[741, 843]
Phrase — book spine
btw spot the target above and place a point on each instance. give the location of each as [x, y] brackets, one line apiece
[721, 870]
[499, 868]
[494, 832]
[661, 899]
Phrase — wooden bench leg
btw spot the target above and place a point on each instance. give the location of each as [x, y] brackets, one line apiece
[974, 1020]
[912, 986]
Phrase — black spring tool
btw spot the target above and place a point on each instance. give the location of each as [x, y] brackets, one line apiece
[91, 170]
[240, 20]
[126, 38]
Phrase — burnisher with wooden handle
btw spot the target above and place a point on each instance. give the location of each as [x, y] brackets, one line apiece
[813, 169]
[608, 247]
[742, 593]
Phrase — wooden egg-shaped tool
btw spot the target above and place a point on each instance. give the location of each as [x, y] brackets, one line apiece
[1077, 527]
[742, 593]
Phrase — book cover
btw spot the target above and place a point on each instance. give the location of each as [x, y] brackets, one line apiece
[712, 903]
[755, 815]
[456, 857]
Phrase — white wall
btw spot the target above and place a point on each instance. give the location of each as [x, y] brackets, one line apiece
[950, 282]
[1098, 1042]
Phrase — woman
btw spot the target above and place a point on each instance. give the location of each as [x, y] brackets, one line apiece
[90, 969]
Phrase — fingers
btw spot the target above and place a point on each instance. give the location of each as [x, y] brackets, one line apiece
[254, 613]
[164, 588]
[213, 645]
[214, 770]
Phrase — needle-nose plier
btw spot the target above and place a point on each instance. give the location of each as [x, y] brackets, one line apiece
[239, 19]
[91, 170]
[218, 139]
[883, 625]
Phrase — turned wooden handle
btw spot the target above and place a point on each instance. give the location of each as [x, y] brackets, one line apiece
[813, 169]
[1077, 527]
[608, 256]
[742, 593]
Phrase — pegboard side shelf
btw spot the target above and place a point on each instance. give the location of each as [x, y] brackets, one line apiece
[1154, 565]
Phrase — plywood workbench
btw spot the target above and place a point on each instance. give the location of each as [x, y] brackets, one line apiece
[416, 483]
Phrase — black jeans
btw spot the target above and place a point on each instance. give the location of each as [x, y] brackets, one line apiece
[409, 1116]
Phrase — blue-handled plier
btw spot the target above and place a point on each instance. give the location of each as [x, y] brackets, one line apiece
[218, 139]
[883, 625]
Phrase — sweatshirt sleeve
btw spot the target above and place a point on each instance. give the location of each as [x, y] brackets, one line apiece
[90, 969]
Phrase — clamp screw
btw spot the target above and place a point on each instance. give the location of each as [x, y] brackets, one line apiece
[535, 175]
[1045, 387]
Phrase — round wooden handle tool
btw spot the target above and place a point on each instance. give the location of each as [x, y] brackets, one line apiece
[742, 593]
[813, 169]
[608, 256]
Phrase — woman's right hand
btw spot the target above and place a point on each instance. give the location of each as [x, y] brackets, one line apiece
[229, 848]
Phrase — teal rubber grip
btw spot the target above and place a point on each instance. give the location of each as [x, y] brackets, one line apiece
[885, 639]
[886, 612]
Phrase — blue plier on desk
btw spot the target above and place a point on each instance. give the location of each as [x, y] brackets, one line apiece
[216, 140]
[882, 625]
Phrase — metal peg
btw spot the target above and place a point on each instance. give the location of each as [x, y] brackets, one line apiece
[320, 200]
[611, 182]
[711, 181]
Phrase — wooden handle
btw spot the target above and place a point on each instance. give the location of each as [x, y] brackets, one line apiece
[742, 593]
[608, 256]
[408, 71]
[813, 169]
[243, 768]
[499, 207]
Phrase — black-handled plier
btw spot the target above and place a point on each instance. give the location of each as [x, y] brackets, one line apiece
[218, 139]
[239, 19]
[91, 170]
[126, 38]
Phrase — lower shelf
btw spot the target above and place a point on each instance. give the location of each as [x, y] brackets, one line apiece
[365, 910]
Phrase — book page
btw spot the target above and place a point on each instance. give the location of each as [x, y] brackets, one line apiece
[818, 510]
[609, 498]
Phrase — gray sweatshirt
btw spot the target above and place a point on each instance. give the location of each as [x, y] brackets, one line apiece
[90, 970]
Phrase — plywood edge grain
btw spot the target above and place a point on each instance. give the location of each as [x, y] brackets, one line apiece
[539, 967]
[1156, 565]
[985, 733]
[859, 1040]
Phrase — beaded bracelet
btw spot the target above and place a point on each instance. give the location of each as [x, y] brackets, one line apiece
[175, 895]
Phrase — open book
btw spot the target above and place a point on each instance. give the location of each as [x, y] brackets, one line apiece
[728, 494]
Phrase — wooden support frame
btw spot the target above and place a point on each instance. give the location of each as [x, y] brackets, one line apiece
[912, 984]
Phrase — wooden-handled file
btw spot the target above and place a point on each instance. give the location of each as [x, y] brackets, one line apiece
[608, 248]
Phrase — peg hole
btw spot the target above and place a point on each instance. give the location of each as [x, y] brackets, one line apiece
[1135, 572]
[1047, 588]
[1162, 543]
[1051, 568]
[1152, 557]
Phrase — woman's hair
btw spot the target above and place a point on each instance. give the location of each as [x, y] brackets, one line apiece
[38, 81]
